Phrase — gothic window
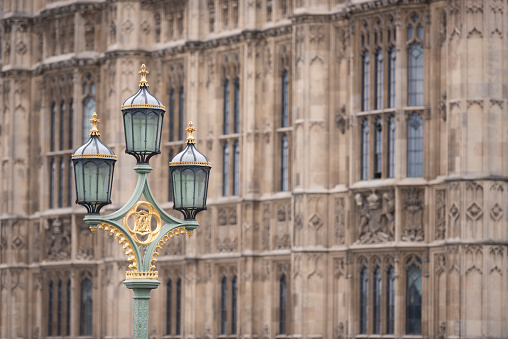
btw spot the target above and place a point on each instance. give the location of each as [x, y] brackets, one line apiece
[378, 72]
[52, 127]
[284, 162]
[285, 99]
[391, 147]
[223, 306]
[364, 164]
[170, 181]
[61, 183]
[376, 294]
[391, 77]
[365, 81]
[364, 299]
[415, 146]
[171, 114]
[178, 322]
[181, 123]
[390, 300]
[61, 125]
[68, 310]
[59, 309]
[69, 184]
[225, 169]
[226, 108]
[88, 106]
[168, 306]
[71, 123]
[236, 123]
[85, 325]
[415, 61]
[52, 183]
[282, 304]
[378, 148]
[50, 309]
[234, 304]
[413, 296]
[236, 168]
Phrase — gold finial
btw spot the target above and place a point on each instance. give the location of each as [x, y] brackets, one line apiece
[143, 73]
[190, 138]
[94, 121]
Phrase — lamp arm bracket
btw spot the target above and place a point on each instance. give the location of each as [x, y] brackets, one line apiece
[164, 215]
[138, 191]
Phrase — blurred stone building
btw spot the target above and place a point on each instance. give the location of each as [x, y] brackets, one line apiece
[359, 153]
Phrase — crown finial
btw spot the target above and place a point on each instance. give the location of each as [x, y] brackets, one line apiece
[143, 73]
[190, 138]
[94, 121]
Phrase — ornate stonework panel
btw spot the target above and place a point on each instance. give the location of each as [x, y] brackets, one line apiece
[412, 214]
[375, 217]
[340, 221]
[58, 239]
[440, 216]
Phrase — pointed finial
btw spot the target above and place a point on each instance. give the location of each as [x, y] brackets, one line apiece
[94, 121]
[143, 73]
[190, 138]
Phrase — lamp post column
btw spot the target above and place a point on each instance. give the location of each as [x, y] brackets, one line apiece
[142, 289]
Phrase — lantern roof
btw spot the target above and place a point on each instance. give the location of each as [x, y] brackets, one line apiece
[94, 147]
[190, 155]
[143, 98]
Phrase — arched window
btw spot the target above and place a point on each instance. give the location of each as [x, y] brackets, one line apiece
[379, 80]
[168, 306]
[390, 300]
[68, 310]
[284, 164]
[52, 127]
[170, 180]
[223, 306]
[234, 304]
[50, 309]
[71, 123]
[391, 147]
[225, 169]
[171, 114]
[181, 122]
[178, 322]
[378, 148]
[391, 77]
[59, 309]
[236, 168]
[61, 183]
[415, 146]
[414, 300]
[285, 100]
[376, 291]
[364, 299]
[88, 110]
[52, 183]
[364, 163]
[415, 75]
[225, 120]
[236, 126]
[85, 327]
[61, 125]
[282, 304]
[365, 81]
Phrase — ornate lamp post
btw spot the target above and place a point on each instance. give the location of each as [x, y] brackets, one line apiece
[146, 227]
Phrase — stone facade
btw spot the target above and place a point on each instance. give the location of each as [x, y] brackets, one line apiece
[337, 220]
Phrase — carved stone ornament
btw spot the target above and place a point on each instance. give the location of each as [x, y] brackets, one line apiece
[375, 217]
[58, 239]
[413, 206]
[341, 120]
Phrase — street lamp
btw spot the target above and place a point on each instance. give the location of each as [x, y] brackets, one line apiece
[146, 227]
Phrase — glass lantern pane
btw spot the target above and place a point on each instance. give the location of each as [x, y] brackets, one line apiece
[128, 131]
[177, 188]
[139, 130]
[103, 182]
[90, 178]
[151, 132]
[200, 188]
[78, 174]
[188, 188]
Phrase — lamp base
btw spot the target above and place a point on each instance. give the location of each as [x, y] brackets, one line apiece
[141, 288]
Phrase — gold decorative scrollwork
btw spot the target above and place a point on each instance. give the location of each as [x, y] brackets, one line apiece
[122, 239]
[171, 234]
[143, 223]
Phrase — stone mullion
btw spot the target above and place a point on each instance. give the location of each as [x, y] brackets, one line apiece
[250, 124]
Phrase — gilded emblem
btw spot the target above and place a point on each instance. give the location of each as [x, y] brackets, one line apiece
[143, 232]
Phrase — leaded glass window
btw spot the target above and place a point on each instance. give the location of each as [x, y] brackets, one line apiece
[378, 148]
[379, 80]
[390, 300]
[234, 305]
[59, 309]
[88, 110]
[168, 306]
[181, 123]
[282, 304]
[68, 310]
[85, 327]
[285, 100]
[415, 75]
[178, 321]
[376, 291]
[52, 183]
[365, 81]
[284, 161]
[223, 306]
[61, 183]
[225, 120]
[225, 169]
[364, 299]
[71, 123]
[392, 64]
[62, 126]
[171, 114]
[415, 146]
[414, 300]
[364, 163]
[236, 125]
[236, 168]
[52, 127]
[50, 309]
[391, 147]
